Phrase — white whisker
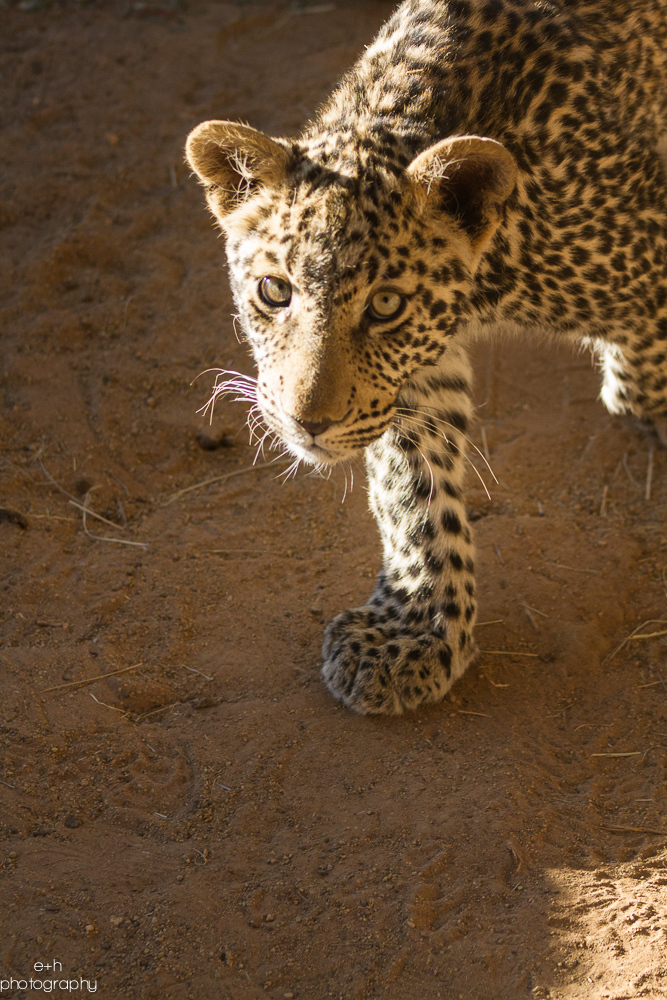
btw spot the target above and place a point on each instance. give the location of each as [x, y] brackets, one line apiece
[422, 422]
[447, 423]
[245, 387]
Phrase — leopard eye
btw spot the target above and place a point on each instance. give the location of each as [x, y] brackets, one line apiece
[275, 292]
[386, 305]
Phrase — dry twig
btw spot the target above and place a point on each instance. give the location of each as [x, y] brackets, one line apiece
[91, 680]
[105, 538]
[649, 621]
[222, 479]
[531, 608]
[508, 652]
[85, 509]
[649, 476]
[635, 829]
[603, 505]
[104, 704]
[193, 671]
[155, 711]
[572, 569]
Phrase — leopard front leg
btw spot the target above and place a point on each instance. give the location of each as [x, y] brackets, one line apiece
[413, 639]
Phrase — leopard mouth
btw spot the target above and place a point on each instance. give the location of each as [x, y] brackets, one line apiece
[338, 442]
[334, 451]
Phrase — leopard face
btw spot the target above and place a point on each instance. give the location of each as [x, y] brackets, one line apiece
[348, 277]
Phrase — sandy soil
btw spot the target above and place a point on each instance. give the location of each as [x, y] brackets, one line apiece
[206, 822]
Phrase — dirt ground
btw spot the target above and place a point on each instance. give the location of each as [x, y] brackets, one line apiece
[205, 822]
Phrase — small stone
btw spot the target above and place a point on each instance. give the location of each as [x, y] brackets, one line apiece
[210, 440]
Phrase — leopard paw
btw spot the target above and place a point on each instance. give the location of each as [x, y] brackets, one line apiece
[377, 667]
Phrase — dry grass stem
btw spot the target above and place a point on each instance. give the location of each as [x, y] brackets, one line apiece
[508, 652]
[515, 854]
[531, 608]
[54, 517]
[104, 704]
[500, 558]
[649, 621]
[98, 517]
[554, 715]
[496, 621]
[572, 569]
[627, 470]
[635, 829]
[238, 552]
[482, 715]
[222, 479]
[495, 683]
[640, 687]
[648, 635]
[155, 711]
[193, 671]
[649, 476]
[105, 538]
[91, 680]
[85, 509]
[73, 500]
[532, 621]
[631, 753]
[603, 505]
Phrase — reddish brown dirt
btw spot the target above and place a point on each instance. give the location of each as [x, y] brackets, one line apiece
[210, 824]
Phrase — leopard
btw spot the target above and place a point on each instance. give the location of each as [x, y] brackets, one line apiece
[485, 165]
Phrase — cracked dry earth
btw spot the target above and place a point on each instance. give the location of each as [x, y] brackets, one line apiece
[205, 822]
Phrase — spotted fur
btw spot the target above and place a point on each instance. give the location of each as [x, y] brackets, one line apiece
[485, 162]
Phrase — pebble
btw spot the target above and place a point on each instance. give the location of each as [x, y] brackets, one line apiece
[209, 440]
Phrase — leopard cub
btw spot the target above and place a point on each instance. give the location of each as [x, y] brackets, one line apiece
[485, 162]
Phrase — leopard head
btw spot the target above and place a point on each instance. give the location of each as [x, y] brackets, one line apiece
[351, 266]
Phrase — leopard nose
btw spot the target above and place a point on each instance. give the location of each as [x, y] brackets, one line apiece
[315, 427]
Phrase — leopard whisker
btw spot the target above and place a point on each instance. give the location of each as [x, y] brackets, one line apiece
[235, 319]
[220, 371]
[290, 471]
[345, 490]
[425, 426]
[447, 423]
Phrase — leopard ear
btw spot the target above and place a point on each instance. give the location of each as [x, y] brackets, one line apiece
[469, 178]
[231, 160]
